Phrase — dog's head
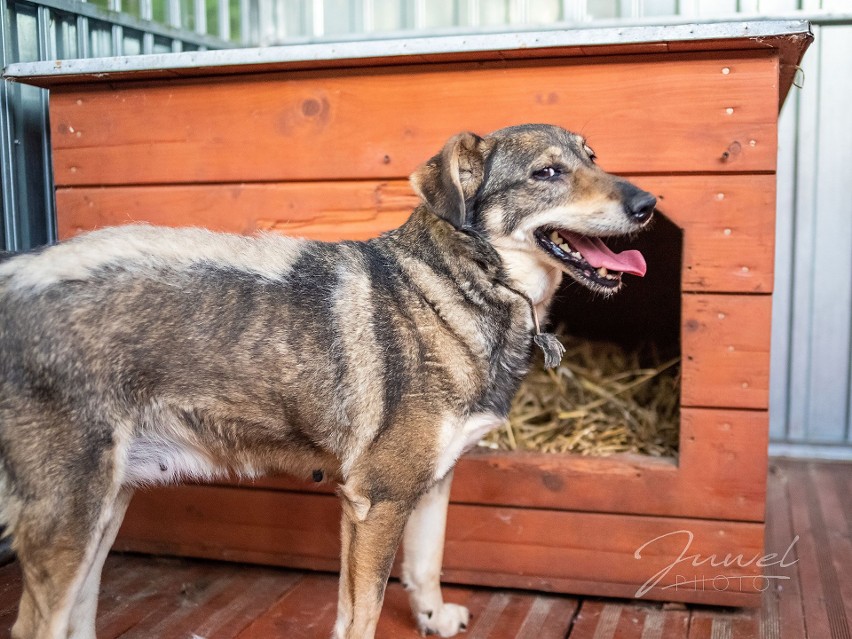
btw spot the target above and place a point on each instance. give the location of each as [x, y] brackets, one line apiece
[537, 189]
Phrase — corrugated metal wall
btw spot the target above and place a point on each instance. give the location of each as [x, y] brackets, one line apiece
[812, 330]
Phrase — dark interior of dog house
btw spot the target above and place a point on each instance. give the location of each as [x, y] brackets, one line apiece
[618, 388]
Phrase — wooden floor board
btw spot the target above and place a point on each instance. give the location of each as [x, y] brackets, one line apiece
[839, 546]
[782, 616]
[808, 589]
[813, 597]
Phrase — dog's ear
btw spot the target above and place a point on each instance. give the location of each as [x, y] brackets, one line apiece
[453, 176]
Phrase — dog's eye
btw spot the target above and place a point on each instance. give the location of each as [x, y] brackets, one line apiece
[547, 173]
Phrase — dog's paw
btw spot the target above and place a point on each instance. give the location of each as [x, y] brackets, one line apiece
[446, 621]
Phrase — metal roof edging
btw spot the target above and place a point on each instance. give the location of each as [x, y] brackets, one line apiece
[53, 72]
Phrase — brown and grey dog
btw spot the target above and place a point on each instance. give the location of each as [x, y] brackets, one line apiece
[141, 355]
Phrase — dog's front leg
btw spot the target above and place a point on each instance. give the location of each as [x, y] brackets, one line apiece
[421, 567]
[370, 536]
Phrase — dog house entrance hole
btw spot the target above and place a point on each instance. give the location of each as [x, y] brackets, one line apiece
[618, 387]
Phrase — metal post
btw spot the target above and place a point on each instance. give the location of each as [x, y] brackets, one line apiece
[146, 12]
[368, 16]
[224, 19]
[46, 51]
[317, 18]
[117, 31]
[245, 24]
[574, 10]
[474, 13]
[83, 37]
[419, 14]
[200, 10]
[11, 239]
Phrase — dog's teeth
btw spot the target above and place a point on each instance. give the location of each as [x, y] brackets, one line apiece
[554, 237]
[602, 271]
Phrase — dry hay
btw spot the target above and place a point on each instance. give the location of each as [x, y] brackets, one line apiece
[599, 401]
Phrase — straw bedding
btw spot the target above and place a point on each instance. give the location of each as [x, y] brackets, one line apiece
[601, 400]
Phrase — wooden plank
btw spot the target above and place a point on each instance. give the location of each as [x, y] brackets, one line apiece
[719, 474]
[781, 608]
[237, 613]
[834, 551]
[725, 345]
[629, 550]
[313, 125]
[808, 551]
[327, 211]
[125, 594]
[247, 526]
[10, 593]
[159, 592]
[598, 620]
[728, 224]
[728, 229]
[615, 620]
[706, 624]
[496, 546]
[308, 610]
[222, 605]
[548, 617]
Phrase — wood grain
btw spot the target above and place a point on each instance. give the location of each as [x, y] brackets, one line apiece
[329, 211]
[719, 474]
[502, 546]
[728, 225]
[725, 345]
[654, 114]
[616, 620]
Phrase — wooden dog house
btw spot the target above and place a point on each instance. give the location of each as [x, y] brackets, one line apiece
[318, 140]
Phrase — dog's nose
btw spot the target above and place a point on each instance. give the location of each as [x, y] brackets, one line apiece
[641, 206]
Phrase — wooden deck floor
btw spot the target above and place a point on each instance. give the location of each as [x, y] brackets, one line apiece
[148, 598]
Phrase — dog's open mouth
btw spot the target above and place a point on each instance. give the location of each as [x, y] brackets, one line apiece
[589, 260]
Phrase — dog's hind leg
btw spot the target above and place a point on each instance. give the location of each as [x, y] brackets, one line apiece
[344, 588]
[54, 565]
[371, 535]
[66, 507]
[421, 568]
[84, 611]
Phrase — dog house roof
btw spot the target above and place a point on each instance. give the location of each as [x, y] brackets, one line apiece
[789, 37]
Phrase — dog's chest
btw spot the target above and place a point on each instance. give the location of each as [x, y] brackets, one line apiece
[458, 435]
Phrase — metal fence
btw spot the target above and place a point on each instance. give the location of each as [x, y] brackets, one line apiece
[279, 21]
[32, 30]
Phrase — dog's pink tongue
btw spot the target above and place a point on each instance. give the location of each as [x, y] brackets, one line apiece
[598, 254]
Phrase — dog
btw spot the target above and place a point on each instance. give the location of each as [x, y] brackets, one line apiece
[140, 355]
